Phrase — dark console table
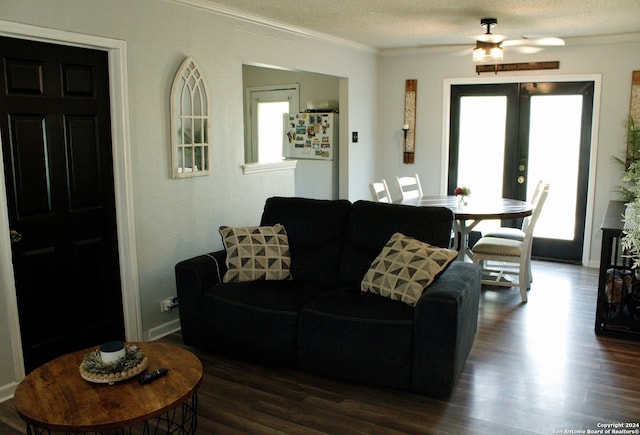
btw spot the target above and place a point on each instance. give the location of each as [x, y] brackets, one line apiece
[618, 304]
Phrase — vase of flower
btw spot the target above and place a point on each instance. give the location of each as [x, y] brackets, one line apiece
[462, 192]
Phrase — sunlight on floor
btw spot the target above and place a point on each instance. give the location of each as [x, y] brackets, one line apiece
[548, 342]
[541, 343]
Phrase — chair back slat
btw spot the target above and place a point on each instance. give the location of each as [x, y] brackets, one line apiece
[542, 197]
[380, 191]
[409, 186]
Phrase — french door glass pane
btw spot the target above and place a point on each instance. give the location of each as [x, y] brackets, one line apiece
[270, 130]
[554, 150]
[481, 148]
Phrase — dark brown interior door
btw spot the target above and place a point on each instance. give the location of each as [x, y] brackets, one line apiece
[56, 139]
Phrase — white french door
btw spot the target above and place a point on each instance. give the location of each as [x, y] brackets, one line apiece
[506, 137]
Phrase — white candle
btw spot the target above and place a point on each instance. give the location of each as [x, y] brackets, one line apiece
[112, 351]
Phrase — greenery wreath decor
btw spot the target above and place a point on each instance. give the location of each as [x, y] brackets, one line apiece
[93, 369]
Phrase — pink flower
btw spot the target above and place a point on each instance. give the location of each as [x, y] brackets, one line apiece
[463, 190]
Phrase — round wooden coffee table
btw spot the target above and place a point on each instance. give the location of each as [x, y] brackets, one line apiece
[55, 398]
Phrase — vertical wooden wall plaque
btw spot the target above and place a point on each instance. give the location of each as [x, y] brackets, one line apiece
[411, 88]
[634, 109]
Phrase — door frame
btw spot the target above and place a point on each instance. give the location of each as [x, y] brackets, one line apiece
[593, 153]
[117, 54]
[251, 127]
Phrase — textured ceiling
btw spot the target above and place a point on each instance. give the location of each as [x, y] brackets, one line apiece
[387, 24]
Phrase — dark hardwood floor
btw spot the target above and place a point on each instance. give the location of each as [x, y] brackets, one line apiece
[535, 368]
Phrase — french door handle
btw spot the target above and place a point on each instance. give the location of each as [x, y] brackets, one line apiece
[15, 236]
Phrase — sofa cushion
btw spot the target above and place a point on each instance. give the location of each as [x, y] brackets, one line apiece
[405, 267]
[316, 230]
[360, 337]
[256, 253]
[256, 320]
[372, 224]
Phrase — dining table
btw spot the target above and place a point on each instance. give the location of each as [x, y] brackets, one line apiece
[469, 211]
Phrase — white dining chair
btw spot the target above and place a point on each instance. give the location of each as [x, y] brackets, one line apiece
[380, 191]
[409, 186]
[516, 233]
[505, 250]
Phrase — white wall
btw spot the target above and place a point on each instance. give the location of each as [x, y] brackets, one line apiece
[176, 219]
[613, 62]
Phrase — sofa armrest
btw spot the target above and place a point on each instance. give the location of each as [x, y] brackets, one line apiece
[193, 277]
[446, 321]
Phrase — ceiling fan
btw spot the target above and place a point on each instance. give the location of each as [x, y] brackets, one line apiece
[489, 46]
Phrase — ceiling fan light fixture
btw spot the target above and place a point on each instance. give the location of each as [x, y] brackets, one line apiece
[489, 45]
[487, 51]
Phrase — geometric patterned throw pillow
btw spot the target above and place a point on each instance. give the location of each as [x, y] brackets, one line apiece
[404, 268]
[256, 253]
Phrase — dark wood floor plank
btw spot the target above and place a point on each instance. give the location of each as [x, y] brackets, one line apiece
[534, 368]
[10, 423]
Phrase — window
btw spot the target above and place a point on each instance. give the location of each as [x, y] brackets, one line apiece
[189, 122]
[265, 107]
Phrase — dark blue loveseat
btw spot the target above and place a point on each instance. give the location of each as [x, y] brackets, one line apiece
[320, 320]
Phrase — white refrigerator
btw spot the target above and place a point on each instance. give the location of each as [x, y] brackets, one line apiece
[312, 140]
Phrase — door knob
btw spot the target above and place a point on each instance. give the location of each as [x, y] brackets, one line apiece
[15, 236]
[520, 179]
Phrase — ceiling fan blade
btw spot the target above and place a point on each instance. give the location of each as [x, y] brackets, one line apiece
[527, 49]
[490, 37]
[541, 42]
[463, 52]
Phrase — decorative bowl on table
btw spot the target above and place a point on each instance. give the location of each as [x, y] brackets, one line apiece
[94, 369]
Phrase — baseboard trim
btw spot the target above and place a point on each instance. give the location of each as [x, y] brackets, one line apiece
[163, 330]
[6, 391]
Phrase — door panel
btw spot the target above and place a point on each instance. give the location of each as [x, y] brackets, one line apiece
[475, 149]
[58, 167]
[82, 148]
[31, 181]
[555, 125]
[484, 120]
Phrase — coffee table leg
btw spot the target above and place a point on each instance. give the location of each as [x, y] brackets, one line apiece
[182, 420]
[33, 430]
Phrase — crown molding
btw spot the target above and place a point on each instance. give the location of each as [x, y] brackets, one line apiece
[211, 6]
[620, 38]
[427, 49]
